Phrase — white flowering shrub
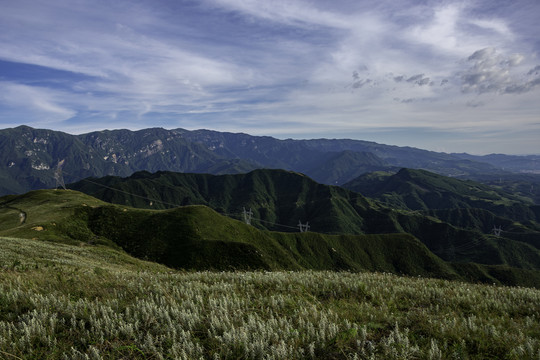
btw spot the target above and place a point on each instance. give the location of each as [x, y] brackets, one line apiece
[92, 308]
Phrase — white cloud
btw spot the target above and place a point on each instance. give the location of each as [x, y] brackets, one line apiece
[496, 25]
[441, 32]
[38, 101]
[449, 30]
[297, 13]
[493, 72]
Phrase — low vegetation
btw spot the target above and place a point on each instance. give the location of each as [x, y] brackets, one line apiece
[93, 302]
[422, 190]
[198, 238]
[447, 215]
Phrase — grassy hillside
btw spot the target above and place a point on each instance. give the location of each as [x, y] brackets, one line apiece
[423, 190]
[48, 215]
[280, 199]
[524, 184]
[465, 245]
[197, 237]
[464, 204]
[92, 302]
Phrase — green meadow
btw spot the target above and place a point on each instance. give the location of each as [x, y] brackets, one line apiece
[60, 301]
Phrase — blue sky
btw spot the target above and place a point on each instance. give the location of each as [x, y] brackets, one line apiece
[452, 76]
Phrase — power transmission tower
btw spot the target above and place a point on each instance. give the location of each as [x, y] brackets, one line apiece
[497, 231]
[247, 216]
[58, 177]
[303, 227]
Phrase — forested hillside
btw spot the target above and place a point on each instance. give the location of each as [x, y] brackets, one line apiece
[280, 200]
[30, 158]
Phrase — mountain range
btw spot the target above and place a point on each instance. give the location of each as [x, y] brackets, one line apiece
[29, 158]
[210, 200]
[279, 200]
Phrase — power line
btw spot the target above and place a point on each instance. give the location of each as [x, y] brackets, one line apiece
[248, 217]
[131, 194]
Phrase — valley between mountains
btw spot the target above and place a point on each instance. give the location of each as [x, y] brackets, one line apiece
[197, 244]
[385, 215]
[196, 221]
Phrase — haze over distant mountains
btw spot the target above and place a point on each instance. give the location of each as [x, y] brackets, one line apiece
[29, 157]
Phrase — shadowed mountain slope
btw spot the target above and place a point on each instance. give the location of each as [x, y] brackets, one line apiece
[464, 204]
[280, 200]
[423, 190]
[29, 157]
[196, 237]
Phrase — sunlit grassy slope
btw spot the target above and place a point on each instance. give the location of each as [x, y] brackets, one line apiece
[92, 302]
[196, 237]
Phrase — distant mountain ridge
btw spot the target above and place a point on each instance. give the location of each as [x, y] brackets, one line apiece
[522, 163]
[29, 157]
[464, 204]
[415, 189]
[302, 155]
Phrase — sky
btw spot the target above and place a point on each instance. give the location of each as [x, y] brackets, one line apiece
[448, 76]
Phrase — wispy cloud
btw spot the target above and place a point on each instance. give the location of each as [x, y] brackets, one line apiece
[275, 68]
[492, 72]
[34, 101]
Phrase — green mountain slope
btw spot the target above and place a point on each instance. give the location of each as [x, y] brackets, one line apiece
[526, 185]
[423, 190]
[196, 237]
[464, 204]
[199, 238]
[280, 199]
